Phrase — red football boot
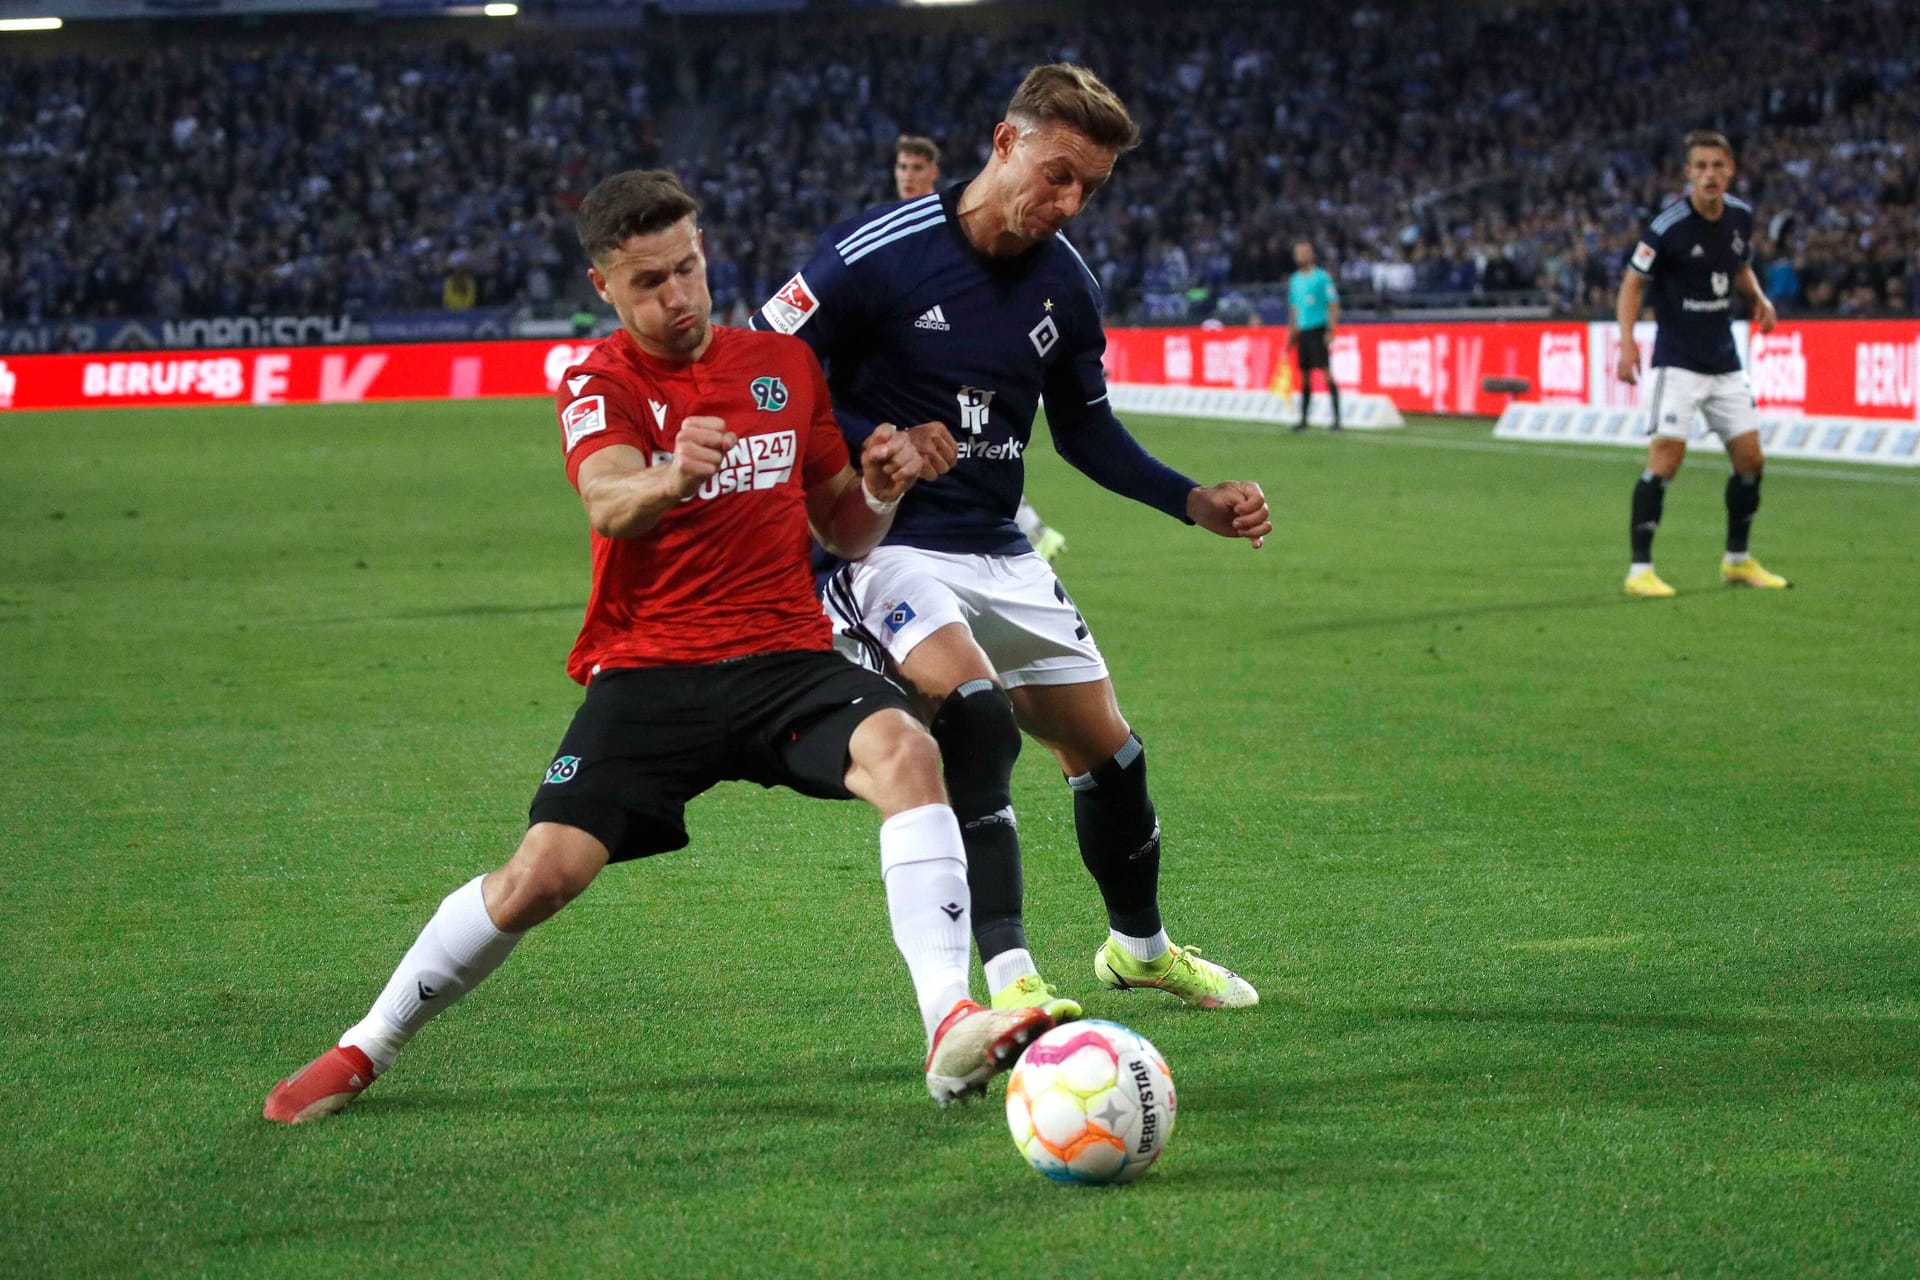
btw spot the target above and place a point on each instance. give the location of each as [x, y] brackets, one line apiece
[320, 1088]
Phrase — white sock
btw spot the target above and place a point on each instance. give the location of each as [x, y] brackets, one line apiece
[1142, 948]
[458, 948]
[1638, 565]
[1009, 966]
[924, 867]
[1736, 557]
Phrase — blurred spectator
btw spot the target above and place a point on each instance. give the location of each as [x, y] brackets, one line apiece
[1439, 153]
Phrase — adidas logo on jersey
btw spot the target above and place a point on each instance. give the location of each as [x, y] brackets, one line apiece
[1698, 252]
[932, 318]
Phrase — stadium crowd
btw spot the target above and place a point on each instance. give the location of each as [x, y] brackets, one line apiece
[1433, 155]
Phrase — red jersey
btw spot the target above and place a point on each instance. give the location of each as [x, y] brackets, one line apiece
[725, 574]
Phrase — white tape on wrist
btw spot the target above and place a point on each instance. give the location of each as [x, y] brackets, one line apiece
[874, 504]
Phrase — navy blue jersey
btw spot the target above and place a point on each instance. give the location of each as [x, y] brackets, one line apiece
[1692, 263]
[916, 325]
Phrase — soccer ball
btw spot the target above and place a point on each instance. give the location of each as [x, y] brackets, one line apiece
[1091, 1102]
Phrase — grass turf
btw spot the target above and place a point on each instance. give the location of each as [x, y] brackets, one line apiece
[1585, 927]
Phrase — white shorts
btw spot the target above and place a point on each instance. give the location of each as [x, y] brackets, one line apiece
[882, 607]
[1725, 400]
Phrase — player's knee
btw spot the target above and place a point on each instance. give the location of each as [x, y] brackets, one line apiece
[895, 763]
[979, 743]
[543, 876]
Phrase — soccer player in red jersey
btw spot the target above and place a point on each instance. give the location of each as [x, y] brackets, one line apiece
[703, 456]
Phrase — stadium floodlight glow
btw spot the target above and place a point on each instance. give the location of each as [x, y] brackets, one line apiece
[943, 2]
[30, 24]
[501, 10]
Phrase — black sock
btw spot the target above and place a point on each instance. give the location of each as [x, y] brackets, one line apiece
[1120, 839]
[1648, 497]
[1334, 391]
[1306, 401]
[1743, 500]
[979, 743]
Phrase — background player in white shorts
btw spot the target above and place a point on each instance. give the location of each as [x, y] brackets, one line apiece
[1695, 254]
[964, 310]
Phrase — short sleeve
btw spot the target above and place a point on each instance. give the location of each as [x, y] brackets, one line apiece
[596, 411]
[818, 304]
[827, 454]
[1646, 254]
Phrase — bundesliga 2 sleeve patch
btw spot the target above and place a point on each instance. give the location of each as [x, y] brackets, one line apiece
[583, 418]
[1643, 257]
[791, 307]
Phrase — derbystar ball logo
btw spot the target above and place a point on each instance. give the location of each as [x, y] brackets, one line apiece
[756, 462]
[792, 306]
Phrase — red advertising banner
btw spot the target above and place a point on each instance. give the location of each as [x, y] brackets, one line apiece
[1851, 369]
[1424, 368]
[1830, 368]
[291, 375]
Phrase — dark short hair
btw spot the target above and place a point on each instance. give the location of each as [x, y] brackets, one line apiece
[1708, 138]
[915, 145]
[1066, 94]
[637, 202]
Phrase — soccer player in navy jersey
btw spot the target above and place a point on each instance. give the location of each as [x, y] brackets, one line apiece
[1695, 254]
[703, 455]
[964, 311]
[916, 168]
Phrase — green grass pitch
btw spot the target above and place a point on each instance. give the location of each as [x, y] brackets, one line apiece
[1587, 929]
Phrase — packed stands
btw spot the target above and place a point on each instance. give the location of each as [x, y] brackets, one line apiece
[1436, 156]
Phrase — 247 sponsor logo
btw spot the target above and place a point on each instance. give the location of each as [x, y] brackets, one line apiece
[756, 462]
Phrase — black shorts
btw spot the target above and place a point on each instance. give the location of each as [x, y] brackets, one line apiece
[649, 739]
[1310, 349]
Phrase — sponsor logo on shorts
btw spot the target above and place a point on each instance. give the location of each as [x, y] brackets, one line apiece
[902, 614]
[563, 770]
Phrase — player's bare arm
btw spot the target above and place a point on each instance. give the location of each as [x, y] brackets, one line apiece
[1626, 312]
[625, 497]
[852, 511]
[1232, 509]
[1748, 286]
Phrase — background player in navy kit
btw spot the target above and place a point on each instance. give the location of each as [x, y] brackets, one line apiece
[967, 308]
[1696, 252]
[916, 168]
[702, 456]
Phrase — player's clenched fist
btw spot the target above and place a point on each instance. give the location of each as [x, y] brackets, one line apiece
[697, 451]
[938, 453]
[889, 462]
[1232, 509]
